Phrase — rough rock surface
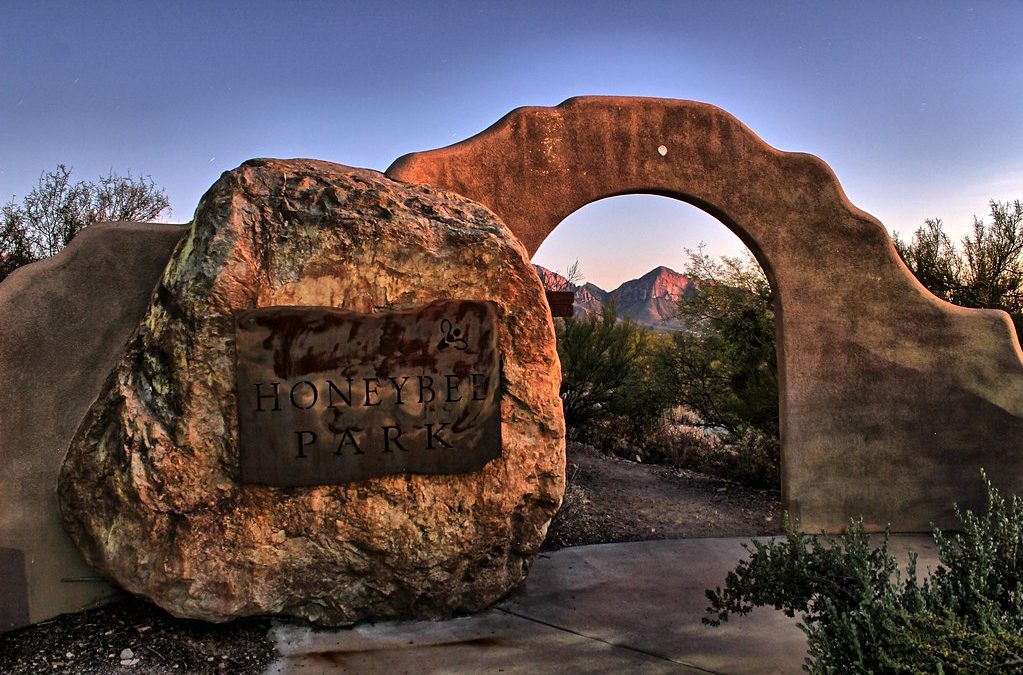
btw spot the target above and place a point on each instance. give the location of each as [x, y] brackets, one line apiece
[150, 491]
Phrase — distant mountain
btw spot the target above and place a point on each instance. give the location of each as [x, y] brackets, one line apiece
[649, 300]
[652, 299]
[552, 281]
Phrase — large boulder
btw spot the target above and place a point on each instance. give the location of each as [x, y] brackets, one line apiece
[150, 489]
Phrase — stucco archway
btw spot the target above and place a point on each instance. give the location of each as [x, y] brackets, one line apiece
[891, 399]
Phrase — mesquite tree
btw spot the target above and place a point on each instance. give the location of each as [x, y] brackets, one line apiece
[58, 208]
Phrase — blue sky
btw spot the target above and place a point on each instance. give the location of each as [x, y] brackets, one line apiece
[917, 106]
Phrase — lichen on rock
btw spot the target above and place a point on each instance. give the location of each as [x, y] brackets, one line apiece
[150, 491]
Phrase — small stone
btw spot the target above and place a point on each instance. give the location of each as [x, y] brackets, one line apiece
[128, 658]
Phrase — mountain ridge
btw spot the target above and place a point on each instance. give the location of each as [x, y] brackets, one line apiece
[650, 300]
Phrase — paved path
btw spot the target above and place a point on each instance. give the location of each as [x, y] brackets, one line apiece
[591, 609]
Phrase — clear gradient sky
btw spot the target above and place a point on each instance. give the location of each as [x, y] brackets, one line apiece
[917, 106]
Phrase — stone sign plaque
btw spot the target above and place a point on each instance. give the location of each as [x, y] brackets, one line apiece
[327, 396]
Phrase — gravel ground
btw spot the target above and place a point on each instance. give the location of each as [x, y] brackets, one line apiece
[135, 636]
[607, 500]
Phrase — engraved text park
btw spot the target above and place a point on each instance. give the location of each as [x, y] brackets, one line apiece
[328, 396]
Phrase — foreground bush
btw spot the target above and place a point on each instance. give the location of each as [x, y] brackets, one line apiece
[861, 615]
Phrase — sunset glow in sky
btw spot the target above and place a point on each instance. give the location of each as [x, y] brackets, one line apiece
[917, 106]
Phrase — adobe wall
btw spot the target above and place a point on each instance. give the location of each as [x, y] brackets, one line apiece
[65, 321]
[891, 399]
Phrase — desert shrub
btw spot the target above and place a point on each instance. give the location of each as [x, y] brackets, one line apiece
[597, 354]
[861, 615]
[723, 369]
[724, 366]
[747, 456]
[985, 270]
[623, 384]
[641, 409]
[608, 380]
[676, 443]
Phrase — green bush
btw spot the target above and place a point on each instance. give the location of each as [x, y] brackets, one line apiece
[724, 366]
[608, 384]
[861, 615]
[723, 369]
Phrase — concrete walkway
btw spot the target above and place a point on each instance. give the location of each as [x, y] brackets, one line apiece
[591, 609]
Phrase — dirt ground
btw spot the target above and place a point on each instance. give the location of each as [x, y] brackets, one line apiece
[607, 500]
[610, 500]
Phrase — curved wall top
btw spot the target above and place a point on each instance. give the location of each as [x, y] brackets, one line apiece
[891, 398]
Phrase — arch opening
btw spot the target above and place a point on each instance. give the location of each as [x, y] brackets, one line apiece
[628, 388]
[704, 215]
